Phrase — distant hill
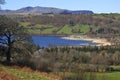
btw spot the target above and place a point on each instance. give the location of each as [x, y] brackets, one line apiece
[44, 10]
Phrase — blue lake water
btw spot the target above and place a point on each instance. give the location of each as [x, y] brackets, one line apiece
[46, 41]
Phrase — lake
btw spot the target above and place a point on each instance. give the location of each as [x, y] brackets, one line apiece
[50, 41]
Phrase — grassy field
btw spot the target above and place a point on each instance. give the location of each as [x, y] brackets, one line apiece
[95, 76]
[24, 75]
[34, 31]
[108, 76]
[82, 28]
[65, 30]
[25, 24]
[21, 75]
[49, 29]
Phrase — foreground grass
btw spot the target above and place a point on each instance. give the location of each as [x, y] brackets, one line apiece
[24, 75]
[93, 76]
[21, 75]
[108, 76]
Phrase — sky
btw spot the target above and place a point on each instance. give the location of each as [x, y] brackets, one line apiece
[97, 6]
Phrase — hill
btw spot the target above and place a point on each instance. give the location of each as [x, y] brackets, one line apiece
[44, 10]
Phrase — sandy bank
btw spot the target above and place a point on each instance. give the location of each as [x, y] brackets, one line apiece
[101, 42]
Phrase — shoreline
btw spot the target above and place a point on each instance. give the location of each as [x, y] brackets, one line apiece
[61, 35]
[100, 42]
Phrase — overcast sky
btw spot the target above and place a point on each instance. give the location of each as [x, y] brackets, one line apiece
[97, 6]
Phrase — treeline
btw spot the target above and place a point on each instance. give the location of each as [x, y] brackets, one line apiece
[85, 19]
[76, 60]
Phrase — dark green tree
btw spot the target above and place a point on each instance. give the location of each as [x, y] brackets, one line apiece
[10, 33]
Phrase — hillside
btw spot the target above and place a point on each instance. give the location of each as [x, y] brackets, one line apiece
[17, 73]
[94, 25]
[44, 10]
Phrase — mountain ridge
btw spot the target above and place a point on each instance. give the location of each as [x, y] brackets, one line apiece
[45, 10]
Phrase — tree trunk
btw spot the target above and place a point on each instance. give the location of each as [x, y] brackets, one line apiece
[8, 55]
